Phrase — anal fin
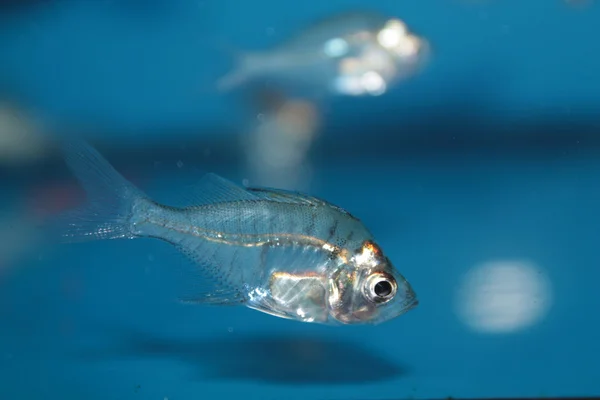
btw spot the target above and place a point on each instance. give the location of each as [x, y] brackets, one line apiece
[195, 281]
[218, 298]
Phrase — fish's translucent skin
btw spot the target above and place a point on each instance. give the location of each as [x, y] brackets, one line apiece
[283, 253]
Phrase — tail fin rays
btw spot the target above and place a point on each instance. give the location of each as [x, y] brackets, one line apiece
[110, 198]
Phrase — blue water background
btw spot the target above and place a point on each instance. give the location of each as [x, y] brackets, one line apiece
[491, 154]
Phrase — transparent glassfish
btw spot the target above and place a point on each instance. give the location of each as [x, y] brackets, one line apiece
[352, 54]
[283, 253]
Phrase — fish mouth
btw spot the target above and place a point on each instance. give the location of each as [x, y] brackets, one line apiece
[402, 308]
[411, 302]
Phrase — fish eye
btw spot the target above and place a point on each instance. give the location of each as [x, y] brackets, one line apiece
[383, 288]
[380, 287]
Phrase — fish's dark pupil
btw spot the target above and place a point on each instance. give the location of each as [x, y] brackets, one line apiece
[383, 288]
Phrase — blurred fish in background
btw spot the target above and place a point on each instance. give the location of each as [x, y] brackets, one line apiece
[23, 138]
[350, 54]
[278, 145]
[22, 143]
[353, 54]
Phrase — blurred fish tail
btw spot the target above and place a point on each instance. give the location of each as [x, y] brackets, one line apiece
[247, 65]
[111, 198]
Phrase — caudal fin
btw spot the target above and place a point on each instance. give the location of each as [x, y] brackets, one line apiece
[110, 198]
[247, 66]
[231, 80]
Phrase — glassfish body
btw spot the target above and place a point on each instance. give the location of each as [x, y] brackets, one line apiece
[351, 54]
[283, 253]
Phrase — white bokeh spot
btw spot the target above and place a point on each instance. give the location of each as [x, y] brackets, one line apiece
[503, 296]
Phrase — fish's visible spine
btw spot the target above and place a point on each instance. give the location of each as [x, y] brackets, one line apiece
[111, 199]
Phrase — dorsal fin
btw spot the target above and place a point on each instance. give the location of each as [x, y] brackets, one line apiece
[211, 189]
[287, 196]
[292, 197]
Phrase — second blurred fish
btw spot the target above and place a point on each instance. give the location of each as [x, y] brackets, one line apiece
[352, 54]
